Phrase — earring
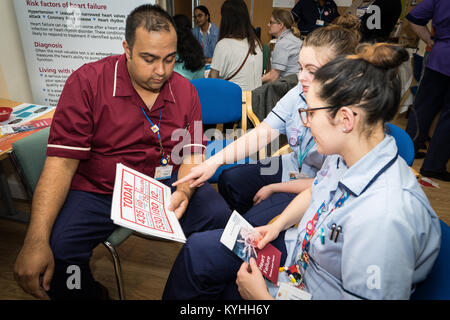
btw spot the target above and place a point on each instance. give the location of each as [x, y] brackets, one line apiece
[344, 130]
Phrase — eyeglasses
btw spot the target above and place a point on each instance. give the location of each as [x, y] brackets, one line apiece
[305, 113]
[271, 22]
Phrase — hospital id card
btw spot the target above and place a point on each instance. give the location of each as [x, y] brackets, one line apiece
[289, 292]
[163, 172]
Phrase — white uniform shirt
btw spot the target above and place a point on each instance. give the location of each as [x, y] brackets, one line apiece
[284, 56]
[390, 235]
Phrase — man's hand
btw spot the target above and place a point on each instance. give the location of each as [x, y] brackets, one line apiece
[179, 202]
[250, 282]
[34, 268]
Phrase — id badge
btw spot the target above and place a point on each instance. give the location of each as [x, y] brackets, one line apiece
[163, 172]
[320, 22]
[294, 175]
[289, 292]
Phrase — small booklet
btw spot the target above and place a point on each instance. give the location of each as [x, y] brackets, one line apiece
[241, 237]
[32, 125]
[141, 203]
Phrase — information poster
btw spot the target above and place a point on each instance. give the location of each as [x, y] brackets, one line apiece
[60, 36]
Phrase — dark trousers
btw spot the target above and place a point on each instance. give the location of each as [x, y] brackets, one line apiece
[239, 184]
[432, 96]
[205, 268]
[84, 222]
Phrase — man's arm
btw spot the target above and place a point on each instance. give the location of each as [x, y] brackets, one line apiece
[35, 258]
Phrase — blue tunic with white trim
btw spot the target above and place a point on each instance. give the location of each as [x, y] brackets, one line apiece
[390, 235]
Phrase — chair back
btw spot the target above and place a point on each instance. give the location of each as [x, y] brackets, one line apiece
[221, 100]
[404, 143]
[28, 155]
[437, 285]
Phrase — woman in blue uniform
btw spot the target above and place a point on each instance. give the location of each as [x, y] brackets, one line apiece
[274, 174]
[366, 229]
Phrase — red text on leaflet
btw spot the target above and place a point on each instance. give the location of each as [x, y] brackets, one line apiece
[140, 216]
[127, 195]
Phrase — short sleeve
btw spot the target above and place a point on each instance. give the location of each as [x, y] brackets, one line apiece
[219, 60]
[283, 110]
[422, 13]
[72, 124]
[280, 56]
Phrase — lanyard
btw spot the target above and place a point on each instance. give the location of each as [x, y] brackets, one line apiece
[301, 156]
[311, 228]
[293, 271]
[155, 128]
[321, 11]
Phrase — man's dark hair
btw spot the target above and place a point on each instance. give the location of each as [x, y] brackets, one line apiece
[151, 17]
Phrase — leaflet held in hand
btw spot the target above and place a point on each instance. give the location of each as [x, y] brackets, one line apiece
[241, 237]
[141, 203]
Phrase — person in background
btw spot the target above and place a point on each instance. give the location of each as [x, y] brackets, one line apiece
[190, 62]
[238, 56]
[312, 14]
[433, 94]
[364, 229]
[284, 57]
[206, 32]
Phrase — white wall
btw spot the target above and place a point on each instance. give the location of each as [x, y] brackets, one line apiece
[12, 61]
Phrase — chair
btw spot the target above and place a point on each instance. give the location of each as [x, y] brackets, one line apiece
[404, 143]
[223, 102]
[28, 156]
[437, 285]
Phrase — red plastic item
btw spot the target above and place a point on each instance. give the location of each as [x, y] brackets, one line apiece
[5, 112]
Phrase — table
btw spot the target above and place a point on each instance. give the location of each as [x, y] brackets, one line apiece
[9, 211]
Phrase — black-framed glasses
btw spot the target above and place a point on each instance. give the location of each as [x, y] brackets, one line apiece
[271, 22]
[305, 113]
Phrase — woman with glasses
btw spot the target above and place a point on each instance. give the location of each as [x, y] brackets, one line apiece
[206, 32]
[284, 57]
[363, 230]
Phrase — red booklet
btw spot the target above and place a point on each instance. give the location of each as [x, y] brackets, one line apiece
[241, 237]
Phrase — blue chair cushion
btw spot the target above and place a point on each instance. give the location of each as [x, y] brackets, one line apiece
[221, 100]
[437, 284]
[404, 143]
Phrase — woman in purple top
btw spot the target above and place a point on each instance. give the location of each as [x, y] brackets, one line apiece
[433, 95]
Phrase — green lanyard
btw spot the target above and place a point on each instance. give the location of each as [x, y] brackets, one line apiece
[301, 156]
